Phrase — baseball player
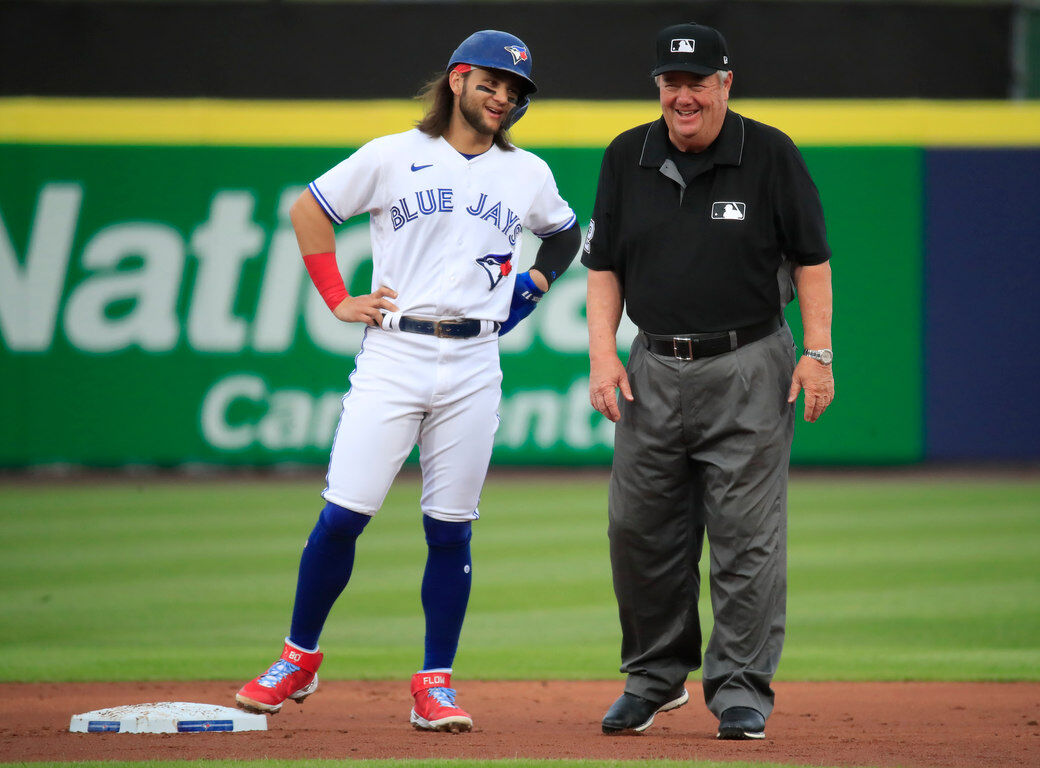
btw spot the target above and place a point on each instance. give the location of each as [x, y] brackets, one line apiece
[448, 201]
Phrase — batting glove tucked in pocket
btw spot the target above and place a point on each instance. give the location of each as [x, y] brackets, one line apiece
[526, 296]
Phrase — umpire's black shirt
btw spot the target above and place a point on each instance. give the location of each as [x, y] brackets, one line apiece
[701, 254]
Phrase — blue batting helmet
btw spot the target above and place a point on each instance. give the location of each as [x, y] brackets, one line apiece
[491, 49]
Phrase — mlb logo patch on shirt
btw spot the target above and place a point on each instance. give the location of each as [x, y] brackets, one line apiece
[733, 211]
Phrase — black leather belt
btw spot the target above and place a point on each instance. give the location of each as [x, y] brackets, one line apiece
[445, 329]
[690, 346]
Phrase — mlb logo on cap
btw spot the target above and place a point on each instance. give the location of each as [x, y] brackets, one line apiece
[692, 48]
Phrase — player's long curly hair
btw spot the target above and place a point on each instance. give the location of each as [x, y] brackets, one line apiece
[440, 100]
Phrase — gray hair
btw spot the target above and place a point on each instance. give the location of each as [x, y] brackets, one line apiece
[721, 73]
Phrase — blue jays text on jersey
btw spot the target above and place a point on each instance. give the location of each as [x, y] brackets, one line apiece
[445, 228]
[441, 200]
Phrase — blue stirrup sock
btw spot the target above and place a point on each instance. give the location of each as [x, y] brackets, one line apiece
[325, 568]
[445, 589]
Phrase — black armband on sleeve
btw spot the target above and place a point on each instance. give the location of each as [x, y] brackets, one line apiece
[557, 252]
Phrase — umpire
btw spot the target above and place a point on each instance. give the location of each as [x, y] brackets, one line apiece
[702, 221]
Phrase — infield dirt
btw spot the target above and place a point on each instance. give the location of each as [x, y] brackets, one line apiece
[854, 724]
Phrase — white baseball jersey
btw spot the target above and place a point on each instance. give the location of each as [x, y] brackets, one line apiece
[445, 229]
[446, 237]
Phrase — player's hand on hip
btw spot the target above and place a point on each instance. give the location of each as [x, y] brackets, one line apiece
[817, 380]
[605, 377]
[367, 308]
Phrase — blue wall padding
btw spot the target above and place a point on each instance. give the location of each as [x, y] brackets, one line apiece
[982, 304]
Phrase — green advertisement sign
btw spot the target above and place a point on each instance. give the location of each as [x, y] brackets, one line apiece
[154, 310]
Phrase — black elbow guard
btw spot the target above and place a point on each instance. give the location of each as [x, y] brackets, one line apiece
[557, 252]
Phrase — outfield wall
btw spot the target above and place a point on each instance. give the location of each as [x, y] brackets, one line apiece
[154, 309]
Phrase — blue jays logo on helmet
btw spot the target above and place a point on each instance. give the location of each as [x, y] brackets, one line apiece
[492, 49]
[519, 53]
[497, 266]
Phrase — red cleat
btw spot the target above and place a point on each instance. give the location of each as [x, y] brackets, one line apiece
[435, 708]
[294, 676]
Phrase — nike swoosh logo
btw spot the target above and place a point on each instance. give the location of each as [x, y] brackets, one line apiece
[420, 167]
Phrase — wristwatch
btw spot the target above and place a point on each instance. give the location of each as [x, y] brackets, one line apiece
[824, 356]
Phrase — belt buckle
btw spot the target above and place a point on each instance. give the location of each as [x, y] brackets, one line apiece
[676, 347]
[438, 331]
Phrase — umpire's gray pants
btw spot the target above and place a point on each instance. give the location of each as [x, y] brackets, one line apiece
[705, 446]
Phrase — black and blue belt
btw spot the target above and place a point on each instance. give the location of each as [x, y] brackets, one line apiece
[444, 329]
[691, 346]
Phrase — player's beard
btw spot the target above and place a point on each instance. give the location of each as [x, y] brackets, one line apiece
[474, 115]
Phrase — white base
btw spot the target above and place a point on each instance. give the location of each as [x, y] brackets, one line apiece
[167, 717]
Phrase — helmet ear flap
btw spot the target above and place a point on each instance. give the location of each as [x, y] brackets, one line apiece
[517, 112]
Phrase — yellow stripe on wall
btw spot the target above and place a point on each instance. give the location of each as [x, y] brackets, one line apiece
[201, 121]
[901, 122]
[29, 120]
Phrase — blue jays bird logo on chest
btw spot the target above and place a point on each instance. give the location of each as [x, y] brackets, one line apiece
[497, 266]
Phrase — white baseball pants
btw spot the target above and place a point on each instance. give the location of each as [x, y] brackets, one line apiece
[409, 389]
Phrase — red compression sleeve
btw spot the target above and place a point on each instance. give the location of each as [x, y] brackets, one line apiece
[326, 277]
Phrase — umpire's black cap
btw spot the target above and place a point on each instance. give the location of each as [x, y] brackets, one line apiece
[690, 47]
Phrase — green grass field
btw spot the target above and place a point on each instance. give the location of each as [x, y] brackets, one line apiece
[171, 580]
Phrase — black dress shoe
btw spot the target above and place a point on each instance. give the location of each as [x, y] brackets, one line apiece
[741, 723]
[634, 713]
